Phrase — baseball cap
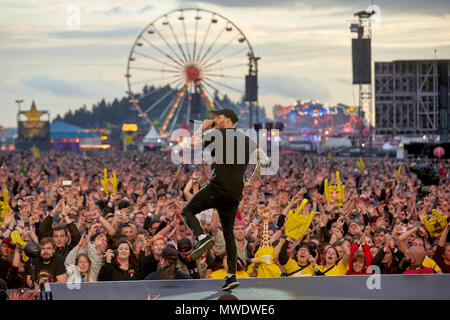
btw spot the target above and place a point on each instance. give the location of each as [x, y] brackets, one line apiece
[170, 254]
[184, 245]
[8, 241]
[108, 215]
[239, 223]
[228, 113]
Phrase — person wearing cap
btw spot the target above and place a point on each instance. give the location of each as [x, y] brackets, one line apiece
[195, 268]
[224, 190]
[7, 250]
[168, 271]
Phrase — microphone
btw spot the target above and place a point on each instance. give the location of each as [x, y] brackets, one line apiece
[196, 121]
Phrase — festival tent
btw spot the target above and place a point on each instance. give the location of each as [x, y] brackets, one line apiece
[66, 136]
[387, 146]
[152, 136]
[63, 130]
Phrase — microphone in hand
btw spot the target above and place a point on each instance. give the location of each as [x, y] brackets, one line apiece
[199, 122]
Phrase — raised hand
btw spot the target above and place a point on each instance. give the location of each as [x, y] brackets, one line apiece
[84, 185]
[323, 220]
[340, 222]
[109, 254]
[149, 297]
[83, 243]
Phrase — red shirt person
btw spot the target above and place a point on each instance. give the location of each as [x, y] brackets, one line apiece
[442, 253]
[415, 257]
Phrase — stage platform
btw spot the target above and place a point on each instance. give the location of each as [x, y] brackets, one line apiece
[377, 287]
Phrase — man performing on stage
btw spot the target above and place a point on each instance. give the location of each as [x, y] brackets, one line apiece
[224, 190]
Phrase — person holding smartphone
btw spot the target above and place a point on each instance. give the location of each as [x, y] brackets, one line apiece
[120, 264]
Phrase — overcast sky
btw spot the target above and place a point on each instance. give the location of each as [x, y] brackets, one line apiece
[304, 45]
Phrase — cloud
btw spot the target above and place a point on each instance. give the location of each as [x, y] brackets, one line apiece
[435, 7]
[117, 10]
[50, 84]
[6, 88]
[99, 34]
[147, 8]
[292, 87]
[342, 80]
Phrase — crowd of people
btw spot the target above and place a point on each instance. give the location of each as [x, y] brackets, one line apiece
[132, 228]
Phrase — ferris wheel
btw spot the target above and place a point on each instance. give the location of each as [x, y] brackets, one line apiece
[188, 57]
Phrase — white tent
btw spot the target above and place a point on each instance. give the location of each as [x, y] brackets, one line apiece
[387, 146]
[152, 136]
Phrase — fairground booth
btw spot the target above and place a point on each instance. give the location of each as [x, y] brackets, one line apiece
[65, 136]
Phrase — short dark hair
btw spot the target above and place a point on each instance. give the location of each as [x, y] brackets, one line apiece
[46, 240]
[123, 204]
[379, 230]
[123, 225]
[144, 232]
[60, 226]
[94, 236]
[139, 212]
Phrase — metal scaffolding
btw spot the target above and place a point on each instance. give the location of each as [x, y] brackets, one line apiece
[407, 97]
[362, 73]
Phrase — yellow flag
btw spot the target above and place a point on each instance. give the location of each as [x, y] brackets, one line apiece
[105, 180]
[360, 164]
[435, 226]
[129, 139]
[36, 152]
[335, 192]
[297, 224]
[4, 206]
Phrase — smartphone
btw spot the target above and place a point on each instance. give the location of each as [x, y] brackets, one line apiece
[117, 212]
[67, 183]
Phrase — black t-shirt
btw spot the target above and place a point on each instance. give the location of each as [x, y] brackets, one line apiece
[4, 268]
[47, 272]
[230, 158]
[192, 268]
[159, 275]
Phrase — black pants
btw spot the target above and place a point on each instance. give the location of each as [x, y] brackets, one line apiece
[210, 197]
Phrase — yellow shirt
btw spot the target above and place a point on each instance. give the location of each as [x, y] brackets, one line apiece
[221, 274]
[292, 266]
[338, 270]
